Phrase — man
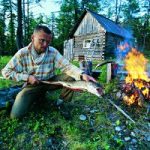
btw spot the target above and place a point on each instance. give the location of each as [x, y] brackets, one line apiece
[36, 62]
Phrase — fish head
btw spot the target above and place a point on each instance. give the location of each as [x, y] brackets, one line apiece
[95, 88]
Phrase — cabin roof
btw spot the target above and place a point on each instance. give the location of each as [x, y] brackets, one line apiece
[107, 24]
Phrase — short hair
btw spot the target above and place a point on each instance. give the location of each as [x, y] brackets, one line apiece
[42, 28]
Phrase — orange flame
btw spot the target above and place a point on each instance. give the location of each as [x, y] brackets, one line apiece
[123, 46]
[135, 64]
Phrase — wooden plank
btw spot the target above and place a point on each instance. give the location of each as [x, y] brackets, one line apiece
[109, 73]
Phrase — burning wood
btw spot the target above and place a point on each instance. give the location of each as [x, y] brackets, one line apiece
[136, 88]
[134, 94]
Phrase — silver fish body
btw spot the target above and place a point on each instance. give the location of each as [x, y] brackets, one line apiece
[92, 87]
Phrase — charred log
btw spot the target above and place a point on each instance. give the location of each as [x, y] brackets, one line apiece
[136, 92]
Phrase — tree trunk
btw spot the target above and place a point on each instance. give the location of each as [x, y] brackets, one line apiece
[24, 20]
[19, 28]
[12, 29]
[3, 26]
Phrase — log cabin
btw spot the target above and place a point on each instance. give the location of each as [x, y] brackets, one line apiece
[94, 37]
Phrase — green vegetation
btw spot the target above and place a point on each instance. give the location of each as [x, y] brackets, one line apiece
[42, 124]
[4, 60]
[5, 83]
[103, 76]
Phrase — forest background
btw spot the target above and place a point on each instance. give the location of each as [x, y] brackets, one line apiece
[18, 19]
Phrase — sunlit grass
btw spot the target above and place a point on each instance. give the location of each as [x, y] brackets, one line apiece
[6, 83]
[3, 82]
[4, 60]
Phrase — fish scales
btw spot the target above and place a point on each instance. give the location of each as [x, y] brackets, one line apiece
[92, 87]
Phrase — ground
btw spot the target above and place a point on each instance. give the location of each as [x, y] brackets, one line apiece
[94, 125]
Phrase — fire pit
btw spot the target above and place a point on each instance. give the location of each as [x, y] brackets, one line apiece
[136, 88]
[133, 73]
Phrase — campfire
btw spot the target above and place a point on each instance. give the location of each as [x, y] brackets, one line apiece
[136, 89]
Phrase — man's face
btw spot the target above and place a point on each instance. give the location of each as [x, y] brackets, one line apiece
[41, 41]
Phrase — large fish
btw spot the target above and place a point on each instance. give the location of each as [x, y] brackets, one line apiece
[92, 87]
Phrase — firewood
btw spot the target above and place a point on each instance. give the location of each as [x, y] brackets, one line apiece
[118, 108]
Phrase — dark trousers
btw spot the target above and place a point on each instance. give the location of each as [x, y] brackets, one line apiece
[31, 93]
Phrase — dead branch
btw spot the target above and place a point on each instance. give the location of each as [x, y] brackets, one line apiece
[118, 108]
[103, 63]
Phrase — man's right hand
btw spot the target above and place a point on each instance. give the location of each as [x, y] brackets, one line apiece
[32, 80]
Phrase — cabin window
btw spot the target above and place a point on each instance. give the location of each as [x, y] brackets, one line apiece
[87, 43]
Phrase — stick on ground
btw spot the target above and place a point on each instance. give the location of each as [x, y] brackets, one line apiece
[119, 109]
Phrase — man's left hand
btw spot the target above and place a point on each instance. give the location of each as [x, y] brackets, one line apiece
[86, 77]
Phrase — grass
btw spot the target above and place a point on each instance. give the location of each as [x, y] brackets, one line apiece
[44, 127]
[41, 125]
[3, 62]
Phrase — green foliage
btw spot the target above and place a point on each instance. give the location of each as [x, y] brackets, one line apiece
[130, 8]
[69, 15]
[103, 75]
[139, 24]
[118, 122]
[5, 83]
[57, 71]
[90, 4]
[11, 47]
[3, 36]
[65, 20]
[36, 127]
[76, 63]
[109, 87]
[4, 60]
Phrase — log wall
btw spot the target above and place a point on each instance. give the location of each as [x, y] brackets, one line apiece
[94, 51]
[92, 41]
[112, 41]
[89, 30]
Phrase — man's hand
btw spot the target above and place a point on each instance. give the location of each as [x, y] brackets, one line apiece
[86, 77]
[33, 80]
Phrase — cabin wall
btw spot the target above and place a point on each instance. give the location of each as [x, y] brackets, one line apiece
[89, 25]
[89, 39]
[92, 50]
[102, 46]
[112, 41]
[68, 49]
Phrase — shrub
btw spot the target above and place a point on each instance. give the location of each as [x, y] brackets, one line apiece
[103, 75]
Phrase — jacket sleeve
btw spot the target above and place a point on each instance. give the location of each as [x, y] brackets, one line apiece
[14, 69]
[66, 67]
